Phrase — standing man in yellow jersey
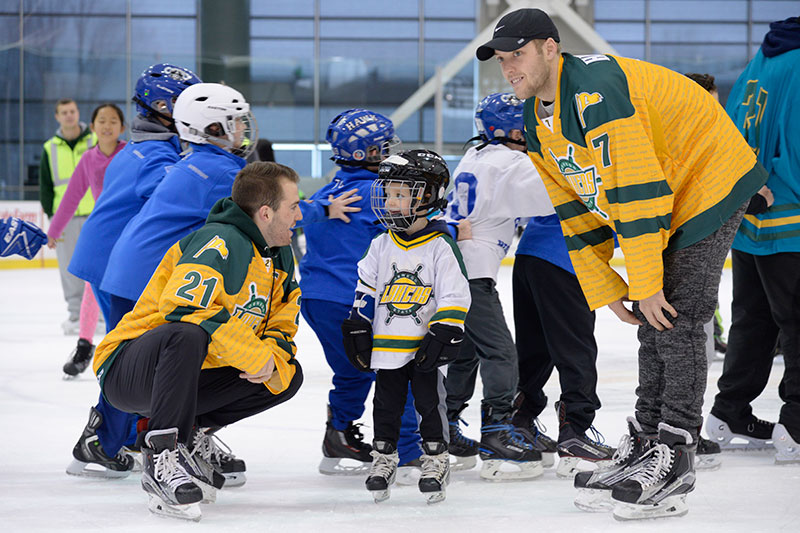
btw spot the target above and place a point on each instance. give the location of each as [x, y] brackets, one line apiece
[59, 158]
[634, 149]
[211, 339]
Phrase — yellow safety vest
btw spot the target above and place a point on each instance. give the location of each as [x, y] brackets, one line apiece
[63, 161]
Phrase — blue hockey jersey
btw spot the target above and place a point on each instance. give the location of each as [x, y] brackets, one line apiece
[178, 206]
[764, 106]
[130, 179]
[329, 270]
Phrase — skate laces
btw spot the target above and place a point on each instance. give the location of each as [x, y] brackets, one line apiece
[383, 464]
[656, 462]
[624, 449]
[168, 469]
[597, 438]
[435, 466]
[510, 430]
[457, 436]
[210, 448]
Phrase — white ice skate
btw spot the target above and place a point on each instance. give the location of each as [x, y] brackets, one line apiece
[788, 451]
[190, 511]
[172, 491]
[210, 447]
[719, 432]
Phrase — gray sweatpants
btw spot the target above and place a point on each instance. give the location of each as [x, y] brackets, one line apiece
[672, 363]
[489, 341]
[72, 286]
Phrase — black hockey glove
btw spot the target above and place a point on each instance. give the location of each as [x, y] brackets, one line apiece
[439, 347]
[357, 339]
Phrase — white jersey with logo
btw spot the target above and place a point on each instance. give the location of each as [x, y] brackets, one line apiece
[415, 283]
[493, 187]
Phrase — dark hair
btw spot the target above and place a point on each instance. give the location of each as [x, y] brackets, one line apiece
[258, 184]
[706, 81]
[65, 101]
[112, 106]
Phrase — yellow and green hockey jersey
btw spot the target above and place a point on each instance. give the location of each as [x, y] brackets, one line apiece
[225, 279]
[640, 151]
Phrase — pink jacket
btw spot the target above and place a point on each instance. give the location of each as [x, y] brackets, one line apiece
[89, 173]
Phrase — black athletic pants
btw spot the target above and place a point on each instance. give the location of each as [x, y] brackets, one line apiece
[554, 328]
[766, 308]
[391, 388]
[159, 375]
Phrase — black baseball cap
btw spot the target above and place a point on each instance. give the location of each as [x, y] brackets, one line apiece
[517, 28]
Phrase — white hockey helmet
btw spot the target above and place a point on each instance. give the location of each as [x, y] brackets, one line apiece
[217, 114]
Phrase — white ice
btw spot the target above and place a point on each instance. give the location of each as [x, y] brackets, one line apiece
[42, 417]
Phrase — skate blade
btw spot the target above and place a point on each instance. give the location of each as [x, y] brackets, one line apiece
[435, 497]
[209, 492]
[569, 466]
[333, 466]
[69, 377]
[499, 470]
[93, 470]
[594, 500]
[743, 445]
[707, 463]
[380, 495]
[189, 511]
[234, 479]
[459, 463]
[669, 507]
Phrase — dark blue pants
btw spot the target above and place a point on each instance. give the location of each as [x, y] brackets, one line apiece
[118, 427]
[351, 386]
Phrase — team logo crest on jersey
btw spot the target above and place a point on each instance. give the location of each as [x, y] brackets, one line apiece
[216, 243]
[584, 181]
[405, 294]
[254, 309]
[584, 100]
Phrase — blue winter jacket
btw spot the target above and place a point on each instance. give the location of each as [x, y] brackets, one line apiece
[329, 270]
[179, 205]
[544, 239]
[764, 106]
[130, 179]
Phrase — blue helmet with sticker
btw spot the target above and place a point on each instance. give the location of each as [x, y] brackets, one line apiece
[158, 88]
[498, 114]
[359, 137]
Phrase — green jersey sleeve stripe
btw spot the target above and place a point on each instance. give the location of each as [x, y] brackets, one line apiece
[441, 315]
[594, 237]
[572, 209]
[642, 226]
[398, 344]
[212, 324]
[641, 191]
[179, 312]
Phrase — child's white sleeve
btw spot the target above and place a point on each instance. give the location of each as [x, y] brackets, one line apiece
[451, 287]
[520, 192]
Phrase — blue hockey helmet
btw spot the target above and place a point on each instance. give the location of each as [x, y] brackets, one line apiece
[359, 137]
[161, 82]
[498, 114]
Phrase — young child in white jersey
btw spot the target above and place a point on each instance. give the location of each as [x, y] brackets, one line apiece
[407, 321]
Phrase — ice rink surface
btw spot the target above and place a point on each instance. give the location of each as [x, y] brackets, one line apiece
[42, 417]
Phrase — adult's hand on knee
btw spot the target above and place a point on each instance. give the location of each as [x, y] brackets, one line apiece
[653, 308]
[623, 313]
[262, 375]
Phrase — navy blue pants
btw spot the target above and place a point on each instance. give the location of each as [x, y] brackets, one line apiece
[350, 386]
[118, 427]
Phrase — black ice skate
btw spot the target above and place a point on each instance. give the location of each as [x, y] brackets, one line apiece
[383, 471]
[747, 435]
[463, 450]
[708, 456]
[594, 486]
[576, 449]
[207, 445]
[90, 460]
[79, 360]
[203, 473]
[664, 477]
[173, 492]
[505, 454]
[533, 431]
[435, 471]
[348, 446]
